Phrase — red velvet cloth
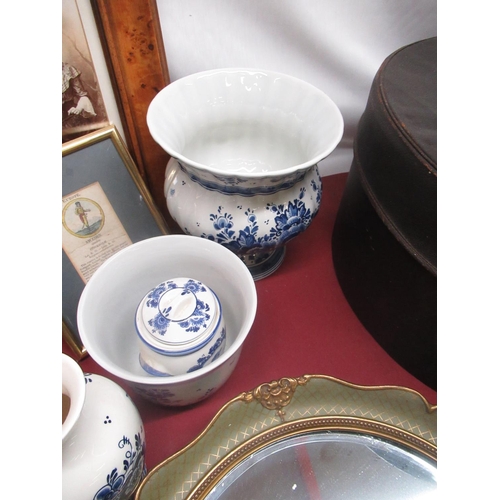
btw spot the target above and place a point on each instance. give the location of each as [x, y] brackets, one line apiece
[303, 325]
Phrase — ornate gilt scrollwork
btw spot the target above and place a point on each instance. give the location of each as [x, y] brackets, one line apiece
[277, 394]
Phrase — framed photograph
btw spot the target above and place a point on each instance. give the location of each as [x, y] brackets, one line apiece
[105, 207]
[83, 108]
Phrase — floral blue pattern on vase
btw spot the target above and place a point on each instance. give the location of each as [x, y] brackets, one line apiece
[132, 470]
[289, 221]
[254, 219]
[103, 455]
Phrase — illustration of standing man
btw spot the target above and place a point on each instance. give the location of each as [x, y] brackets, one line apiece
[81, 212]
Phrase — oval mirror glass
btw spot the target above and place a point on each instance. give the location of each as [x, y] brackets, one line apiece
[330, 465]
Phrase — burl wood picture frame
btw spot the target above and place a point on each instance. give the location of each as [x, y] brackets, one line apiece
[133, 46]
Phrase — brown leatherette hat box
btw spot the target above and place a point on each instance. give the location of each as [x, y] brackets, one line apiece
[384, 240]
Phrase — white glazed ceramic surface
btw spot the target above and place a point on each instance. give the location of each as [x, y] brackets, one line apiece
[103, 448]
[106, 312]
[244, 133]
[74, 387]
[180, 327]
[246, 122]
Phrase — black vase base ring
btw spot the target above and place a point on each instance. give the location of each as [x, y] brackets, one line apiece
[263, 264]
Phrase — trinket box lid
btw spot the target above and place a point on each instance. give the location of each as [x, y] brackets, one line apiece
[178, 316]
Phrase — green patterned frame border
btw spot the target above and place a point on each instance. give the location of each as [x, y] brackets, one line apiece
[287, 407]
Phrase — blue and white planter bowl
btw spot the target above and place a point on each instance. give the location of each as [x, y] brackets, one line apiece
[180, 327]
[103, 443]
[245, 145]
[108, 306]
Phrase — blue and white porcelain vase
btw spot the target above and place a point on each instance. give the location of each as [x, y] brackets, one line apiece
[244, 145]
[254, 218]
[102, 438]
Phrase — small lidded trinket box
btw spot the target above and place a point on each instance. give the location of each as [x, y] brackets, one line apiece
[180, 327]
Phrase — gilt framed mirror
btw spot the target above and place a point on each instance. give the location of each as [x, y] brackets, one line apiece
[313, 437]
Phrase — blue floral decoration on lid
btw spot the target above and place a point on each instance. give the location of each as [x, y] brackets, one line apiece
[178, 309]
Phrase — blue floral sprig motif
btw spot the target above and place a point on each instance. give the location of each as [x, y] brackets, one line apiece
[191, 286]
[125, 483]
[318, 189]
[226, 235]
[154, 295]
[247, 237]
[223, 223]
[291, 219]
[199, 318]
[161, 321]
[212, 353]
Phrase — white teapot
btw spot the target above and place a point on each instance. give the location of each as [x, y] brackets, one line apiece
[102, 437]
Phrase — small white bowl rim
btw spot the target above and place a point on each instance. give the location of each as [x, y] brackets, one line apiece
[173, 379]
[77, 398]
[246, 175]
